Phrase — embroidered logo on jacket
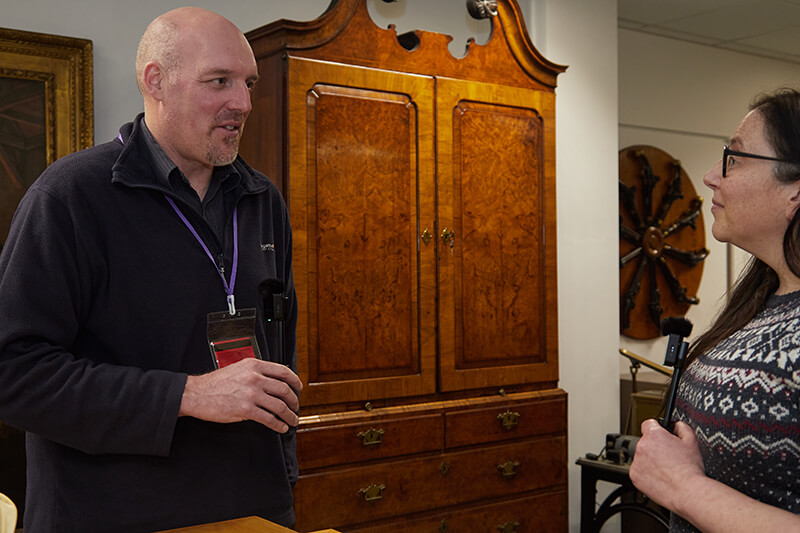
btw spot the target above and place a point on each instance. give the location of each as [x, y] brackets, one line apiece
[269, 247]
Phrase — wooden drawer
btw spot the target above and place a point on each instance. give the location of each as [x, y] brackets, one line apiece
[339, 498]
[543, 513]
[341, 444]
[523, 419]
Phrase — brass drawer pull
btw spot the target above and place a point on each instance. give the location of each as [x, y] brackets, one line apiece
[509, 468]
[372, 493]
[371, 436]
[444, 468]
[508, 527]
[508, 420]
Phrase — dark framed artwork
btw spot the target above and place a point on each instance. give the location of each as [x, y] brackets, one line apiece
[46, 108]
[46, 112]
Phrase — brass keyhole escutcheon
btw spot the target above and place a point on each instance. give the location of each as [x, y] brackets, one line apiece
[444, 468]
[371, 437]
[427, 236]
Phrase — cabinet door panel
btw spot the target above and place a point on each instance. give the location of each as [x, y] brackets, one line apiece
[361, 179]
[497, 270]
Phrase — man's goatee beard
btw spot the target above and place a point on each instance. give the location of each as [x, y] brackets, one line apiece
[218, 158]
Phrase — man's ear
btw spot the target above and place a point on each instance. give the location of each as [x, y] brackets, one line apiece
[153, 80]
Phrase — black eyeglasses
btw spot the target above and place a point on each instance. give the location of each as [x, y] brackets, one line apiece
[727, 151]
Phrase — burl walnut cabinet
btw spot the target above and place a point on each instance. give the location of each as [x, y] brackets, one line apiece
[421, 190]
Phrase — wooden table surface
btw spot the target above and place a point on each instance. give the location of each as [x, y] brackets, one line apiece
[251, 524]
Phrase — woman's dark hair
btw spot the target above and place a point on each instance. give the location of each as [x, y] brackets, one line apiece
[781, 112]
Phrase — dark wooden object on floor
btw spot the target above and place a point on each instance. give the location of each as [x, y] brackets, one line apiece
[421, 191]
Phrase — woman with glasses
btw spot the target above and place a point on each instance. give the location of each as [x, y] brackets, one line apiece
[733, 463]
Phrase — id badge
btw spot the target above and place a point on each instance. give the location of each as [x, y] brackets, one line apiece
[231, 338]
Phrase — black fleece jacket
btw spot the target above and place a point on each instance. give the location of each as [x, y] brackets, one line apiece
[104, 295]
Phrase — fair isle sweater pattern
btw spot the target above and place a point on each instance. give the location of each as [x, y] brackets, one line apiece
[743, 400]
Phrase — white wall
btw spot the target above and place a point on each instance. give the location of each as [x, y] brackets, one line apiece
[115, 28]
[583, 35]
[687, 99]
[579, 33]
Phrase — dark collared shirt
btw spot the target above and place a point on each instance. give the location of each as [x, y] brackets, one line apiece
[213, 208]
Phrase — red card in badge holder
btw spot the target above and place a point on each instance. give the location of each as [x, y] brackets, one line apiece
[231, 338]
[232, 351]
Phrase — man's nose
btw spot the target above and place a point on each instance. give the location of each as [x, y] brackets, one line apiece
[240, 99]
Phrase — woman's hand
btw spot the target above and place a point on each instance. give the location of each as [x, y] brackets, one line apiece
[663, 463]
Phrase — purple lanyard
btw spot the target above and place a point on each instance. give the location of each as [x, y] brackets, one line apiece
[228, 288]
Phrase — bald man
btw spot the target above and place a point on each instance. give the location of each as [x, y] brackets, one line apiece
[134, 350]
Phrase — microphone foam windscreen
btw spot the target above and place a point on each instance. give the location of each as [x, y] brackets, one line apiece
[677, 325]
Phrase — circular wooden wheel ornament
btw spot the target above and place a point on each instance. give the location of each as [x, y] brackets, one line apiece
[661, 240]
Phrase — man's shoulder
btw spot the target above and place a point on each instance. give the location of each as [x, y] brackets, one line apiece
[95, 162]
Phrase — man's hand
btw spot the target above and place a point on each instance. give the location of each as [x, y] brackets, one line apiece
[249, 389]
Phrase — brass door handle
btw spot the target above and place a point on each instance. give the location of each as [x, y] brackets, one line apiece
[449, 237]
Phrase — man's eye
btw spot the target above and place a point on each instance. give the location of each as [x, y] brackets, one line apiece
[219, 81]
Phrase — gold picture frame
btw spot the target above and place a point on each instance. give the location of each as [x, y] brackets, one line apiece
[46, 108]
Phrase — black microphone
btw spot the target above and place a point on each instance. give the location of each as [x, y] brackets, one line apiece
[676, 328]
[274, 303]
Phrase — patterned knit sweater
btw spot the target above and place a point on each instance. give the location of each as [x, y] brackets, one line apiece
[743, 400]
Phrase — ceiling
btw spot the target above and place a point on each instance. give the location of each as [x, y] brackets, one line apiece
[767, 28]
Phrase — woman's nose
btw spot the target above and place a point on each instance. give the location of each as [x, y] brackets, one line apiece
[712, 178]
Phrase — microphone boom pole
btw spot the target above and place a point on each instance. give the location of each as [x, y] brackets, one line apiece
[677, 348]
[275, 303]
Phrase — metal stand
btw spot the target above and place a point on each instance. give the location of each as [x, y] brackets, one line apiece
[625, 500]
